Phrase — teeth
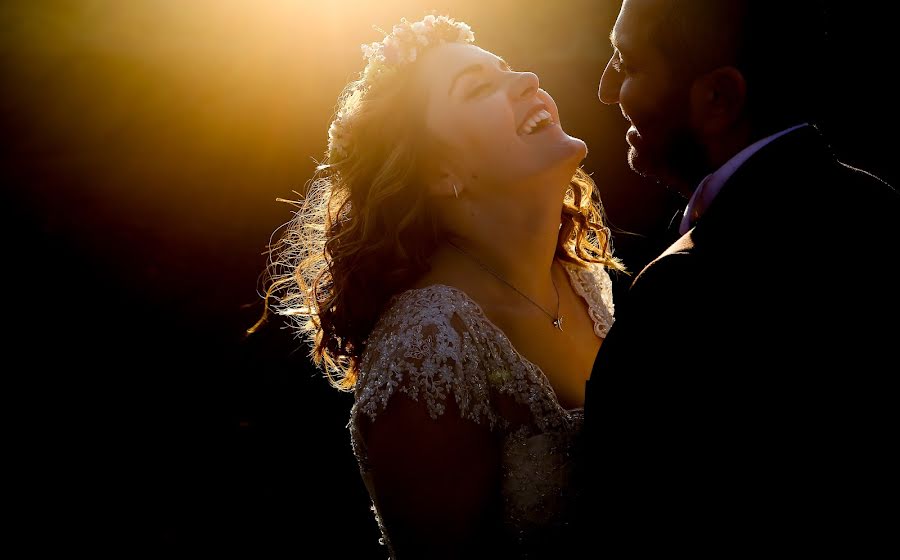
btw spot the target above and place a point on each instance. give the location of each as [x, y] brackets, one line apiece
[539, 117]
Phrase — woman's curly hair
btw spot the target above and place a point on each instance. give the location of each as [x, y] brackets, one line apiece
[363, 232]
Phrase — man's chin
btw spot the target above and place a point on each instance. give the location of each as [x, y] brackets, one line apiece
[638, 164]
[659, 174]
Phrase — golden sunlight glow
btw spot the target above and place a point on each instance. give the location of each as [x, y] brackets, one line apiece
[176, 124]
[177, 108]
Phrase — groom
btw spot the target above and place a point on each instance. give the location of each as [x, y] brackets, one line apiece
[744, 398]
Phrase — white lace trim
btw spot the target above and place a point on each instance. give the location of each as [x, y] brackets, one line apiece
[595, 286]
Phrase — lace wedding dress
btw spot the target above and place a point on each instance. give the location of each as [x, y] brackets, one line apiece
[434, 344]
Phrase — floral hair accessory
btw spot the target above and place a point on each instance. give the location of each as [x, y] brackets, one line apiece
[399, 48]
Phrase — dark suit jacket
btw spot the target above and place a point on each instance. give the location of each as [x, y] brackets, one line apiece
[745, 394]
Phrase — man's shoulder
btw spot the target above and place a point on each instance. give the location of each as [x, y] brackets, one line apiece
[869, 184]
[672, 262]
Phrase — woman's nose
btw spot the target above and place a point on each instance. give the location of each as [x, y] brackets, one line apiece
[610, 83]
[525, 84]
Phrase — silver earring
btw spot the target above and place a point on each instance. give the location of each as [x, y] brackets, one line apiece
[455, 192]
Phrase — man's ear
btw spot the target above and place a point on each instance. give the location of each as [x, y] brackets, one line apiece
[717, 100]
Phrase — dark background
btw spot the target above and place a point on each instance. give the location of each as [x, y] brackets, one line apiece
[143, 146]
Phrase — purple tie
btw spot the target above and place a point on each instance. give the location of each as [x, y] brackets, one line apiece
[695, 207]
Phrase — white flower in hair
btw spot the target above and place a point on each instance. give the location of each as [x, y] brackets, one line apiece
[340, 128]
[400, 47]
[337, 137]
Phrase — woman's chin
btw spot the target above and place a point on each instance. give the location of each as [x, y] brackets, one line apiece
[571, 151]
[579, 148]
[554, 159]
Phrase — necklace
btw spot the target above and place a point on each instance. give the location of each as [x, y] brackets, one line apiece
[557, 319]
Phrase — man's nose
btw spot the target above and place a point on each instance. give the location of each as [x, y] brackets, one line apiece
[610, 83]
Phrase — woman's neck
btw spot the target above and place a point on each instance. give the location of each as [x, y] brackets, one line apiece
[515, 244]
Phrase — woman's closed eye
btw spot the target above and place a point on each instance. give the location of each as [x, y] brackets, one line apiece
[479, 89]
[485, 87]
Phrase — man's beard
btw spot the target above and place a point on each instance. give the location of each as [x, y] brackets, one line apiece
[681, 165]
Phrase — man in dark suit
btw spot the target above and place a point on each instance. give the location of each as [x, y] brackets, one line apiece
[745, 395]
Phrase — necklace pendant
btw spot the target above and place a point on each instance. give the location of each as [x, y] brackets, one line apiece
[558, 322]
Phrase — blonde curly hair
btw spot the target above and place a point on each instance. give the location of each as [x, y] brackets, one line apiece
[364, 231]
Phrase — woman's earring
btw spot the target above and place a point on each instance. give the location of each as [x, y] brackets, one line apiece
[455, 192]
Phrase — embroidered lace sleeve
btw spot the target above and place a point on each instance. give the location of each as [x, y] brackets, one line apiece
[422, 429]
[426, 353]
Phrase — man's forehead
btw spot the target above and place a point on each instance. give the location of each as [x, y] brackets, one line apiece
[636, 21]
[644, 8]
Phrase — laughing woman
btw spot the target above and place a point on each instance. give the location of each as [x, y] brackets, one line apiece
[449, 266]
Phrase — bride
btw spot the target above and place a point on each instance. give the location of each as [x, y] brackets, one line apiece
[449, 266]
